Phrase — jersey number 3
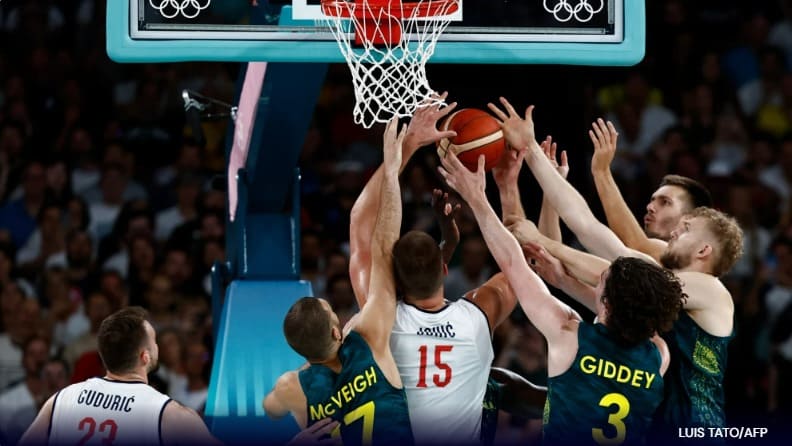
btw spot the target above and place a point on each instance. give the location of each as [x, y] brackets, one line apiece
[439, 379]
[615, 419]
[107, 427]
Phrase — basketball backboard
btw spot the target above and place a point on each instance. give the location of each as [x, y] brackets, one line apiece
[580, 32]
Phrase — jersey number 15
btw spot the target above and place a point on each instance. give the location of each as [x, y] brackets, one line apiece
[439, 379]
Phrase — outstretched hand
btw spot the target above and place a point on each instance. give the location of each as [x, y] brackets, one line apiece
[519, 132]
[524, 230]
[546, 266]
[549, 148]
[445, 212]
[422, 129]
[604, 138]
[507, 171]
[317, 434]
[392, 145]
[470, 185]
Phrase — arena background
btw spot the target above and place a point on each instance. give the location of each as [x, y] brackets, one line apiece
[108, 166]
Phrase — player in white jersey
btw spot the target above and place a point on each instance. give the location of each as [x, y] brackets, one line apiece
[443, 349]
[445, 356]
[120, 408]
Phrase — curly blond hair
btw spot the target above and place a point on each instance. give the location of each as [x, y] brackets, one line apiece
[728, 234]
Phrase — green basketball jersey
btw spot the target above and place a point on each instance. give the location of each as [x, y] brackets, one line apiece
[489, 414]
[369, 409]
[694, 384]
[607, 396]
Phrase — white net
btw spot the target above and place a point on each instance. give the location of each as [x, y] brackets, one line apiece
[388, 60]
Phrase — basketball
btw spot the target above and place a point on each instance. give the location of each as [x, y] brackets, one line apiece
[478, 133]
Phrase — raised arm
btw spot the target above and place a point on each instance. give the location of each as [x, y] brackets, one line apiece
[506, 173]
[287, 397]
[567, 201]
[548, 217]
[445, 212]
[620, 219]
[377, 316]
[421, 131]
[547, 313]
[553, 272]
[583, 266]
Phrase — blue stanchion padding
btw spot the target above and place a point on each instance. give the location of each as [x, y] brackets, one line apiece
[251, 353]
[270, 246]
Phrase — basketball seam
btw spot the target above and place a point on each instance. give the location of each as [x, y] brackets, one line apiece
[449, 119]
[442, 147]
[459, 148]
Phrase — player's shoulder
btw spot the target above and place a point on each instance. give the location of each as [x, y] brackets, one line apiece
[471, 308]
[177, 409]
[288, 382]
[703, 283]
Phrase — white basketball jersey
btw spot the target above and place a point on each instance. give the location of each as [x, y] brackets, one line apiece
[444, 359]
[100, 411]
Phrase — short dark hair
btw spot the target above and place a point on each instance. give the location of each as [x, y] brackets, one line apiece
[642, 299]
[307, 329]
[699, 195]
[59, 360]
[417, 265]
[120, 337]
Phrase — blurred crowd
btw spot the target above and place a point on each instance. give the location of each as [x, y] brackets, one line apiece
[107, 197]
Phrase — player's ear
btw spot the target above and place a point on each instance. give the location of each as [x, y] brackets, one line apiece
[704, 251]
[145, 356]
[445, 269]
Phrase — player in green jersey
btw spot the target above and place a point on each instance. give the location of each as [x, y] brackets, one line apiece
[605, 379]
[351, 377]
[704, 245]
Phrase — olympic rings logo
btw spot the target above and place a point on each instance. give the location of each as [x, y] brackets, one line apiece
[582, 11]
[189, 9]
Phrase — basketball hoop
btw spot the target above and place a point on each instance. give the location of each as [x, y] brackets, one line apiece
[387, 57]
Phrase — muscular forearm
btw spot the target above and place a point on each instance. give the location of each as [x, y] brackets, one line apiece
[363, 217]
[389, 215]
[364, 212]
[586, 267]
[573, 209]
[519, 396]
[510, 201]
[501, 243]
[548, 221]
[620, 219]
[449, 234]
[580, 265]
[570, 205]
[581, 292]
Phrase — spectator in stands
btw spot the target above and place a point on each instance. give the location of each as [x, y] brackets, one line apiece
[97, 308]
[18, 216]
[19, 403]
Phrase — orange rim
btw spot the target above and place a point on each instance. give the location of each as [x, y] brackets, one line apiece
[393, 8]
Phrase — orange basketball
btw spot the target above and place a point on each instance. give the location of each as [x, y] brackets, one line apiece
[478, 133]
